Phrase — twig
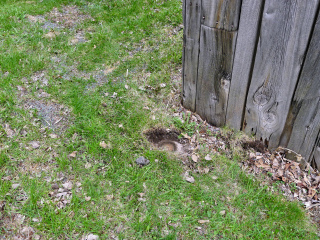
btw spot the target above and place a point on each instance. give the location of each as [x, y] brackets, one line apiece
[58, 121]
[314, 205]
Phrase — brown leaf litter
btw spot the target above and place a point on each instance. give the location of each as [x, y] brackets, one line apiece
[298, 180]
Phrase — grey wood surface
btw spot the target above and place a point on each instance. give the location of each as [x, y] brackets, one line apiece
[221, 14]
[316, 156]
[250, 18]
[214, 73]
[303, 123]
[191, 52]
[283, 40]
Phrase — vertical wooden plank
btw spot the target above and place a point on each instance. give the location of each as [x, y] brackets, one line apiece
[284, 35]
[221, 14]
[303, 122]
[251, 11]
[214, 73]
[316, 156]
[184, 41]
[191, 52]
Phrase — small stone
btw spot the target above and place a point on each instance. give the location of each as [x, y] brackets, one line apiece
[35, 220]
[214, 177]
[142, 199]
[142, 161]
[208, 158]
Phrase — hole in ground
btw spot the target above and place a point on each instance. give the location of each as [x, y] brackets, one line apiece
[166, 139]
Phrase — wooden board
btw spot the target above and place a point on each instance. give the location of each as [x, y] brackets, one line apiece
[283, 40]
[303, 123]
[214, 73]
[191, 52]
[250, 19]
[316, 156]
[221, 14]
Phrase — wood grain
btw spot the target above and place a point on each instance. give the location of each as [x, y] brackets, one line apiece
[303, 123]
[221, 14]
[214, 73]
[191, 52]
[247, 39]
[283, 40]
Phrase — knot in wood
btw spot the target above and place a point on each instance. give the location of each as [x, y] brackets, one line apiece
[262, 96]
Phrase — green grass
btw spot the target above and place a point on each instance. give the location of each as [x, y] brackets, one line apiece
[140, 41]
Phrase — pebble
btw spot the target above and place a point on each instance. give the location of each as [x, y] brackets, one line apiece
[142, 161]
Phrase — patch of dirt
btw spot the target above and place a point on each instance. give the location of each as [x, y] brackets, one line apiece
[52, 115]
[14, 226]
[256, 145]
[79, 37]
[69, 16]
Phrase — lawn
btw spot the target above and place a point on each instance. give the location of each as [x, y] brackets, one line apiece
[82, 83]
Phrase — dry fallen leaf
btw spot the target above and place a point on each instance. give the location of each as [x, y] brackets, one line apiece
[87, 198]
[214, 177]
[206, 170]
[14, 186]
[189, 179]
[109, 197]
[73, 154]
[67, 185]
[208, 158]
[10, 133]
[52, 135]
[186, 135]
[222, 213]
[87, 165]
[34, 144]
[51, 34]
[203, 221]
[194, 158]
[103, 144]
